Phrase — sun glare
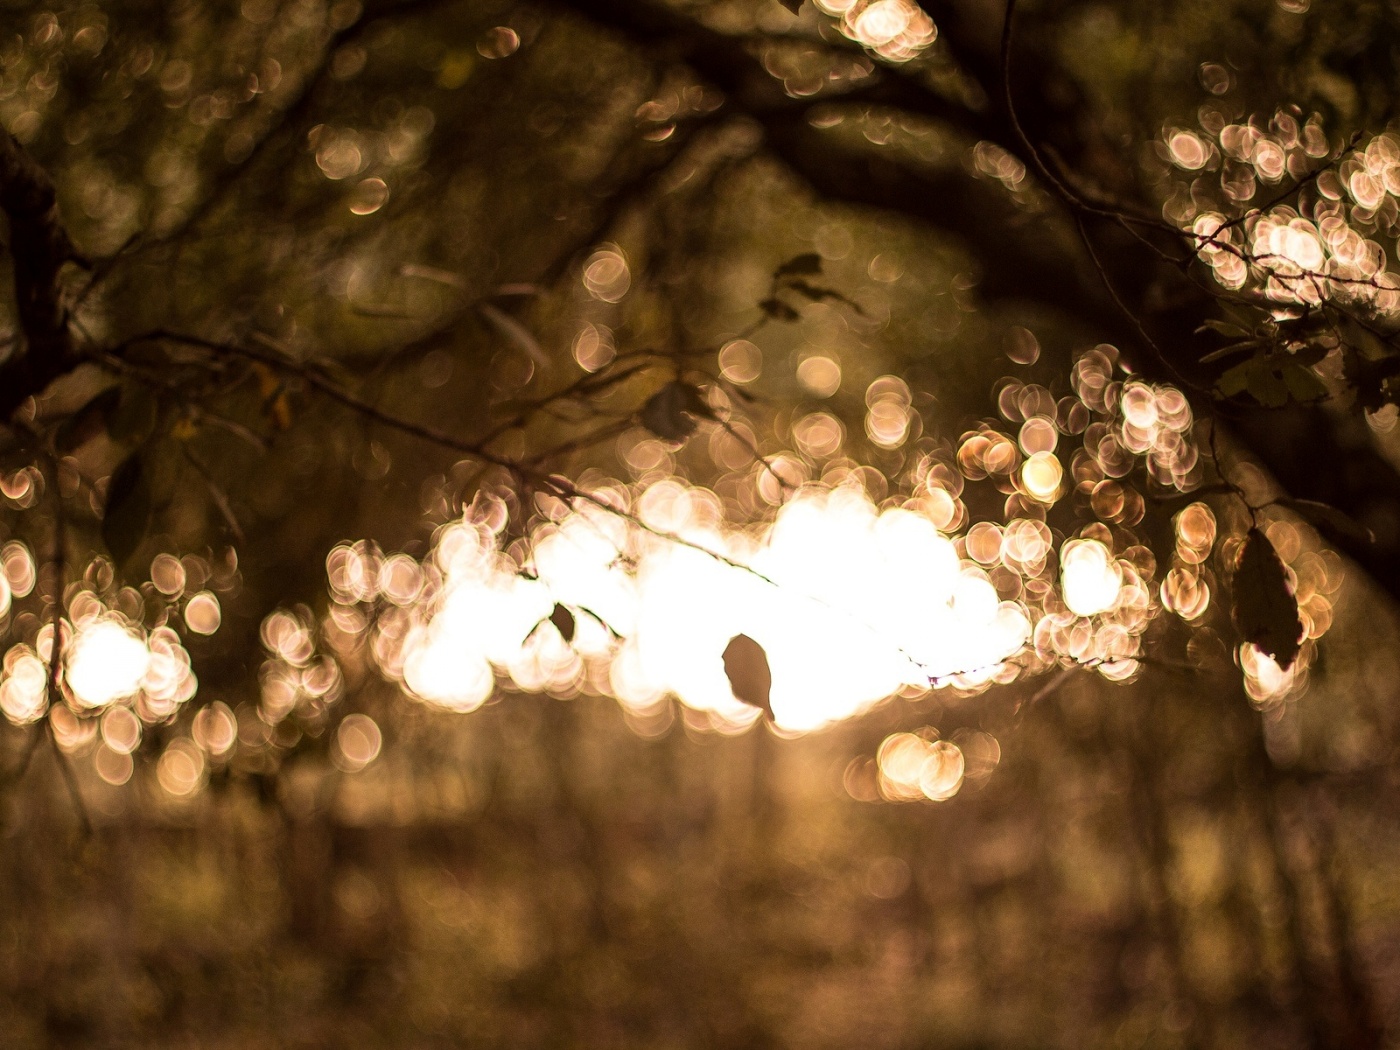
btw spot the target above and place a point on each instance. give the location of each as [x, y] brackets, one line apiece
[107, 663]
[640, 591]
[1092, 581]
[850, 604]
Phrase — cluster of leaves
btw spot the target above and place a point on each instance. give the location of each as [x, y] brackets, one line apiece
[1279, 368]
[127, 415]
[791, 278]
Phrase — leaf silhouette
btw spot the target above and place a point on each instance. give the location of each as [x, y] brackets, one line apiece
[818, 294]
[778, 310]
[1226, 328]
[808, 264]
[1266, 612]
[128, 512]
[671, 412]
[1272, 380]
[135, 416]
[92, 419]
[746, 666]
[564, 622]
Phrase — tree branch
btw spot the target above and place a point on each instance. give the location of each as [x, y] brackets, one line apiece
[293, 114]
[39, 246]
[1311, 453]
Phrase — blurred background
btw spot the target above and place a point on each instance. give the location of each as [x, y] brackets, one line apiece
[451, 386]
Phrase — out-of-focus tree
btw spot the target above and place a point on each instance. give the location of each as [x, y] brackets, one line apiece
[747, 364]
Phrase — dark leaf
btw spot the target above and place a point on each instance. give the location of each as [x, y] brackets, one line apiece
[808, 264]
[1272, 380]
[1234, 381]
[1330, 522]
[778, 310]
[792, 5]
[1302, 385]
[1309, 354]
[1233, 348]
[135, 416]
[746, 666]
[671, 412]
[1225, 328]
[817, 293]
[563, 621]
[128, 513]
[92, 419]
[1266, 612]
[1265, 384]
[1369, 379]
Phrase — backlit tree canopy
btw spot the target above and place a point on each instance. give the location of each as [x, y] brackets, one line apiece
[737, 368]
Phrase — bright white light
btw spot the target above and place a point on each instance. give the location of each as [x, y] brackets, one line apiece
[861, 604]
[1091, 578]
[445, 672]
[881, 22]
[851, 604]
[106, 663]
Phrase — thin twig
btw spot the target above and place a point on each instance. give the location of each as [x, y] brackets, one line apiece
[1063, 190]
[216, 493]
[1050, 687]
[590, 383]
[1129, 312]
[753, 450]
[584, 441]
[55, 668]
[562, 488]
[102, 268]
[296, 108]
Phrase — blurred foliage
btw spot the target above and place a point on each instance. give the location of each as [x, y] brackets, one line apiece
[329, 272]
